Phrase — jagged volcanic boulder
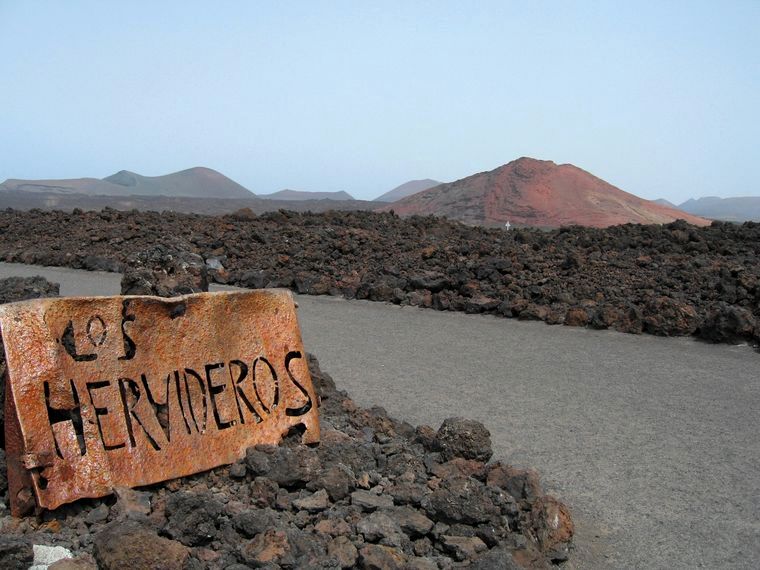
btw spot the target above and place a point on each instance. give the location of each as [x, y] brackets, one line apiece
[164, 272]
[460, 437]
[128, 544]
[15, 552]
[727, 323]
[14, 289]
[669, 317]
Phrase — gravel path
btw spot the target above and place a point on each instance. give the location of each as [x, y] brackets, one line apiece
[651, 441]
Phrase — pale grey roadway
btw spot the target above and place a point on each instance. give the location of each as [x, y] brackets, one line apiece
[654, 443]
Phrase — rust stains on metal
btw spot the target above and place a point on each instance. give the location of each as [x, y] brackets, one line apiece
[105, 392]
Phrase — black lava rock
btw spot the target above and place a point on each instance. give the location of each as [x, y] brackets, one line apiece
[460, 437]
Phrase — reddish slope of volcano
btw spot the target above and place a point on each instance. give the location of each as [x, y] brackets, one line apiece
[538, 193]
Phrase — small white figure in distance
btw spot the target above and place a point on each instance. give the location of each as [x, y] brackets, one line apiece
[507, 225]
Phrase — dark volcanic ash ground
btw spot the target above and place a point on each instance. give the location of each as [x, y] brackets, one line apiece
[671, 280]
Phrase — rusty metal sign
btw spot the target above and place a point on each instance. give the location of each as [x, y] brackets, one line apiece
[104, 392]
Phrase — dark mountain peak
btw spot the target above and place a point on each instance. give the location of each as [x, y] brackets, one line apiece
[527, 167]
[201, 171]
[301, 195]
[530, 161]
[733, 209]
[197, 182]
[123, 178]
[407, 189]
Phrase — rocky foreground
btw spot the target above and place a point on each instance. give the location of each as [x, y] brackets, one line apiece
[375, 493]
[672, 280]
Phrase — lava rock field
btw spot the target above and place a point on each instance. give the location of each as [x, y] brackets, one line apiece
[671, 280]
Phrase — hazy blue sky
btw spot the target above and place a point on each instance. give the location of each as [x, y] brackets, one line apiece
[661, 99]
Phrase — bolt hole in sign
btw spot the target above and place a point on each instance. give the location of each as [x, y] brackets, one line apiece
[103, 392]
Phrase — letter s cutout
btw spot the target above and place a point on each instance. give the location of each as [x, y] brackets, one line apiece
[293, 354]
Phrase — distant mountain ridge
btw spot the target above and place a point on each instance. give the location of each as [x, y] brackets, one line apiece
[525, 192]
[198, 182]
[407, 189]
[540, 193]
[299, 195]
[735, 209]
[88, 186]
[21, 200]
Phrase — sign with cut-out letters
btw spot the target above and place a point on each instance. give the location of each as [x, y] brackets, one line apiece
[103, 392]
